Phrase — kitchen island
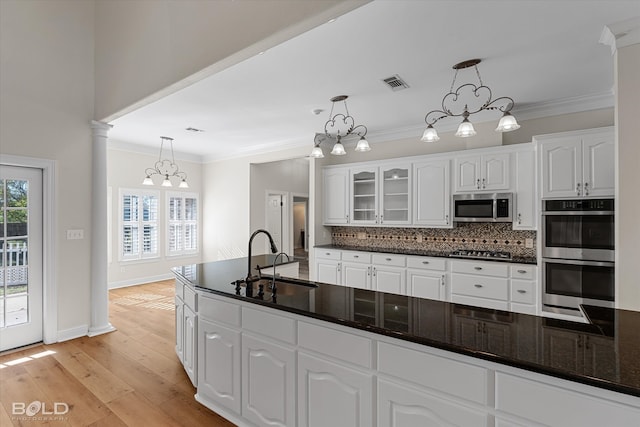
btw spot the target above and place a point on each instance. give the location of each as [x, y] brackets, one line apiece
[325, 355]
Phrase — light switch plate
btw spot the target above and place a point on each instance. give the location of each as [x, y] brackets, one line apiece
[528, 243]
[75, 234]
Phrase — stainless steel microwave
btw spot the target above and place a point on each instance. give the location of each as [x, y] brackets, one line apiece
[483, 207]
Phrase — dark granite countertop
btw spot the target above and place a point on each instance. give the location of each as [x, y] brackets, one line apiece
[419, 252]
[602, 353]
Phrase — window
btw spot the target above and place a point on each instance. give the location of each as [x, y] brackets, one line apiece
[139, 224]
[182, 233]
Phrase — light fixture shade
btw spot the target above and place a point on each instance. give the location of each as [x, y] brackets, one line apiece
[465, 129]
[166, 182]
[507, 123]
[430, 135]
[147, 181]
[363, 145]
[183, 184]
[317, 152]
[338, 149]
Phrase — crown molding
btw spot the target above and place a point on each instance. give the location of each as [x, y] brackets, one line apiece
[557, 107]
[114, 144]
[621, 34]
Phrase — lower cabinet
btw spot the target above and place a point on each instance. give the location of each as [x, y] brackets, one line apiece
[268, 382]
[190, 358]
[333, 395]
[389, 279]
[405, 406]
[426, 284]
[328, 271]
[219, 364]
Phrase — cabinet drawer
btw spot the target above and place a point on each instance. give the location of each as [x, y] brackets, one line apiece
[341, 345]
[389, 259]
[480, 268]
[523, 291]
[269, 325]
[217, 310]
[445, 375]
[483, 287]
[427, 263]
[362, 257]
[328, 254]
[523, 271]
[190, 298]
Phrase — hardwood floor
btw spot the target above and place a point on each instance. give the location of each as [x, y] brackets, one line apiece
[130, 377]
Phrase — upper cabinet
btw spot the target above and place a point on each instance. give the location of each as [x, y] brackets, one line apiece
[395, 194]
[364, 195]
[525, 212]
[578, 164]
[335, 196]
[486, 172]
[432, 194]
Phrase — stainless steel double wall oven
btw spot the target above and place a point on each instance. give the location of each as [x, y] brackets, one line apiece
[577, 254]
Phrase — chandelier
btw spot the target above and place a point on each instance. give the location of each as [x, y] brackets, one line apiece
[340, 126]
[165, 167]
[451, 106]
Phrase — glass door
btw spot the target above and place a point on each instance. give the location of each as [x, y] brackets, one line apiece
[20, 256]
[364, 206]
[395, 200]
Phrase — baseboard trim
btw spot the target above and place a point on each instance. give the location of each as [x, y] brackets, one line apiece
[73, 333]
[140, 281]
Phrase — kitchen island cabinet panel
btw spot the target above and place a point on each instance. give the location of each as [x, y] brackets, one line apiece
[403, 406]
[331, 394]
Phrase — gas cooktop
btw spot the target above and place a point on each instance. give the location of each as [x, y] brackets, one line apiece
[463, 253]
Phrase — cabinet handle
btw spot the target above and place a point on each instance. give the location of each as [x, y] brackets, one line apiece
[578, 189]
[522, 271]
[522, 291]
[477, 268]
[368, 271]
[478, 184]
[579, 341]
[356, 256]
[586, 342]
[519, 219]
[586, 193]
[442, 280]
[388, 259]
[446, 218]
[347, 217]
[374, 272]
[477, 286]
[479, 326]
[376, 218]
[484, 183]
[484, 327]
[425, 262]
[381, 218]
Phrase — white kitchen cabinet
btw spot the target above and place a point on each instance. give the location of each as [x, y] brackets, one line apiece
[364, 195]
[483, 284]
[401, 405]
[356, 275]
[179, 310]
[388, 279]
[427, 278]
[219, 356]
[333, 394]
[268, 382]
[190, 344]
[432, 193]
[484, 172]
[525, 213]
[328, 266]
[395, 194]
[578, 164]
[335, 196]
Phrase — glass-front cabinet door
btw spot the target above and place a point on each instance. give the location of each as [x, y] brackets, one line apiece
[395, 190]
[364, 193]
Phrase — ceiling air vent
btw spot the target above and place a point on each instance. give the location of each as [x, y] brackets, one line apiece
[395, 83]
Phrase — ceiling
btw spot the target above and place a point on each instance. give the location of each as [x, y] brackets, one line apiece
[540, 53]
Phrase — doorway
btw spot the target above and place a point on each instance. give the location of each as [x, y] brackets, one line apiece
[21, 251]
[300, 234]
[277, 221]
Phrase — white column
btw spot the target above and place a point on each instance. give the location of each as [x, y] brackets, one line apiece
[99, 290]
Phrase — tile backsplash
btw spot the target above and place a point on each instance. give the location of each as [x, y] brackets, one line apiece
[470, 236]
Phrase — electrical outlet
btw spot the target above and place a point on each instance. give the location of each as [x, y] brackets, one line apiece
[419, 238]
[75, 234]
[362, 236]
[528, 243]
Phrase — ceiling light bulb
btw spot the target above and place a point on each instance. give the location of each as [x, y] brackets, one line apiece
[166, 182]
[183, 184]
[338, 149]
[507, 123]
[465, 129]
[430, 135]
[147, 181]
[363, 145]
[317, 152]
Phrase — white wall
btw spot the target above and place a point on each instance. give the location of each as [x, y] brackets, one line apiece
[226, 186]
[150, 48]
[46, 82]
[125, 170]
